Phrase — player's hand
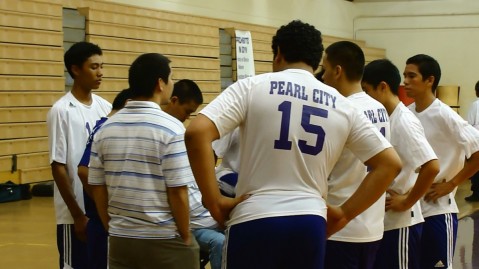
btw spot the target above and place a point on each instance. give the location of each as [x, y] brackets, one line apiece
[225, 205]
[336, 220]
[438, 190]
[396, 202]
[79, 225]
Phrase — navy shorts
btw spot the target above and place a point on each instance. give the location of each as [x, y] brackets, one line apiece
[349, 255]
[400, 248]
[276, 243]
[97, 244]
[438, 241]
[73, 252]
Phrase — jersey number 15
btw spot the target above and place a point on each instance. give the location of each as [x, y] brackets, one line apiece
[285, 144]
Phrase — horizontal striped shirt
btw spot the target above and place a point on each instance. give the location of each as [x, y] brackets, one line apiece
[138, 153]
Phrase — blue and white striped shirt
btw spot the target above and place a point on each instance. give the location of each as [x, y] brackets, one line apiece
[137, 154]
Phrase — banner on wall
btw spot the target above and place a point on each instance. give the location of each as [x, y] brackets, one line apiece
[244, 54]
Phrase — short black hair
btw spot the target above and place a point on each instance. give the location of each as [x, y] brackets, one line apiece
[349, 56]
[78, 53]
[299, 42]
[319, 75]
[187, 90]
[382, 70]
[427, 66]
[121, 98]
[145, 71]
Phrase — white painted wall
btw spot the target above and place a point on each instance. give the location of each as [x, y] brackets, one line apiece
[331, 17]
[448, 30]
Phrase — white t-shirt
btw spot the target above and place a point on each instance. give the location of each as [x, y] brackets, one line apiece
[292, 128]
[473, 114]
[348, 174]
[452, 139]
[69, 126]
[409, 140]
[227, 148]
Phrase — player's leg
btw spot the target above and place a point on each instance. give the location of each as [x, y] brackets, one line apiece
[97, 244]
[400, 249]
[438, 241]
[276, 243]
[72, 252]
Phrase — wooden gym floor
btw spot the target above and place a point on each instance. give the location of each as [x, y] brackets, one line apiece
[27, 234]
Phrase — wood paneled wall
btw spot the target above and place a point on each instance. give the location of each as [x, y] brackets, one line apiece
[32, 72]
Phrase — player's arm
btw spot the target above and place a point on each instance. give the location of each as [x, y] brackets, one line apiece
[83, 175]
[427, 173]
[198, 138]
[384, 167]
[100, 196]
[437, 190]
[62, 180]
[180, 209]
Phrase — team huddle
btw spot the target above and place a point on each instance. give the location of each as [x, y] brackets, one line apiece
[319, 170]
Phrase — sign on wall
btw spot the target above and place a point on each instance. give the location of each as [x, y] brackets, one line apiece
[244, 54]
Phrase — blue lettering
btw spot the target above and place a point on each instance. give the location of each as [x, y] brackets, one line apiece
[274, 85]
[289, 89]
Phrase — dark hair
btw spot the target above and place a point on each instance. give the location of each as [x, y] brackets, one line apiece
[382, 70]
[78, 53]
[427, 66]
[477, 89]
[299, 42]
[145, 71]
[319, 75]
[121, 98]
[349, 56]
[187, 90]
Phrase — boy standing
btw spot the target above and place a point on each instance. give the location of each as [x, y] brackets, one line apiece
[403, 220]
[70, 122]
[453, 140]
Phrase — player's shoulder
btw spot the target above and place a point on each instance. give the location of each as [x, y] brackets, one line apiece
[102, 101]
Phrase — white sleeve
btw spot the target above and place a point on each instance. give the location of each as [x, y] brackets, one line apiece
[364, 139]
[413, 143]
[57, 134]
[96, 172]
[228, 110]
[472, 115]
[463, 132]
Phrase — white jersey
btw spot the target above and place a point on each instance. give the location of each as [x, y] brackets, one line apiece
[349, 173]
[409, 140]
[69, 125]
[473, 114]
[227, 148]
[292, 128]
[452, 139]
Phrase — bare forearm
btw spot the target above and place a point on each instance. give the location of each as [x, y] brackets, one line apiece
[83, 175]
[426, 176]
[60, 175]
[180, 209]
[202, 161]
[470, 168]
[100, 196]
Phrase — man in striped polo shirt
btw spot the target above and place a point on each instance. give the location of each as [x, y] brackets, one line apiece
[140, 171]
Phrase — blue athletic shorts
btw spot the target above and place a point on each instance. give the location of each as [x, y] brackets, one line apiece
[72, 251]
[438, 241]
[349, 255]
[276, 243]
[400, 248]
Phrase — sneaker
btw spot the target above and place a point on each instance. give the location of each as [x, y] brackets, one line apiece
[474, 197]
